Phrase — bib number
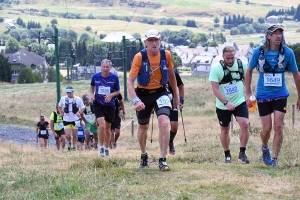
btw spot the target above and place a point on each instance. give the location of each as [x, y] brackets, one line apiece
[80, 133]
[163, 101]
[103, 90]
[270, 80]
[77, 123]
[230, 90]
[88, 117]
[43, 132]
[60, 125]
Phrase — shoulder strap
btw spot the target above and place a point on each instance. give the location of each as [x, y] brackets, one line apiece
[162, 54]
[144, 55]
[55, 116]
[241, 69]
[91, 106]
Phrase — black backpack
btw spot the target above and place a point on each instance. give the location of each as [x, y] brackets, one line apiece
[227, 73]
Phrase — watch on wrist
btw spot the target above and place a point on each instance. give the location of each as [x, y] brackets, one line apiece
[225, 102]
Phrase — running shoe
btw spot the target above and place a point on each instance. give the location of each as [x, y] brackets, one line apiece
[274, 162]
[162, 165]
[243, 158]
[171, 148]
[144, 161]
[101, 152]
[266, 156]
[69, 146]
[107, 153]
[227, 159]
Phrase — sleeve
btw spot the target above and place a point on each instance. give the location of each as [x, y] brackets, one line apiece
[80, 103]
[292, 62]
[61, 102]
[52, 116]
[178, 79]
[254, 58]
[38, 124]
[93, 80]
[117, 85]
[213, 75]
[169, 59]
[120, 97]
[245, 68]
[46, 123]
[136, 65]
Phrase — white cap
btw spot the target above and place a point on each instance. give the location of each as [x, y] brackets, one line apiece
[152, 33]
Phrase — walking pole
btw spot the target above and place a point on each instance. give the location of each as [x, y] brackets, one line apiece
[152, 126]
[183, 126]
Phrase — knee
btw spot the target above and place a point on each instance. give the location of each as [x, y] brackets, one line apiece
[244, 125]
[278, 127]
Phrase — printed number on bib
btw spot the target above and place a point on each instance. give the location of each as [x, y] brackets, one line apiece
[163, 101]
[88, 117]
[43, 132]
[60, 125]
[230, 90]
[77, 123]
[80, 133]
[270, 80]
[103, 90]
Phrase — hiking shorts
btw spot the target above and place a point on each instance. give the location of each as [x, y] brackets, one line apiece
[80, 140]
[91, 127]
[174, 115]
[69, 125]
[117, 122]
[266, 108]
[224, 116]
[149, 98]
[108, 112]
[59, 133]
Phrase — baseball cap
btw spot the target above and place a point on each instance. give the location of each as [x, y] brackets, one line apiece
[273, 28]
[69, 89]
[152, 33]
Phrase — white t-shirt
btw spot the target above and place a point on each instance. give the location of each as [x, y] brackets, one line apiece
[71, 117]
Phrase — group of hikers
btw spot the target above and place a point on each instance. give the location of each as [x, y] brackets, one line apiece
[160, 89]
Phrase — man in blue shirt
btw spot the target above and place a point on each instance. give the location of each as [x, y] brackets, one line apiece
[271, 60]
[104, 88]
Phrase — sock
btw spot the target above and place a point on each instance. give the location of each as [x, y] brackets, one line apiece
[227, 153]
[242, 149]
[274, 158]
[172, 136]
[144, 154]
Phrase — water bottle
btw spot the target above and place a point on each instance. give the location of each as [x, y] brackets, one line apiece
[252, 100]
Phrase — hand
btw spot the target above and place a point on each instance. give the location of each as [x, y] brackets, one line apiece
[61, 114]
[108, 98]
[92, 97]
[123, 116]
[78, 114]
[230, 106]
[180, 106]
[298, 104]
[139, 106]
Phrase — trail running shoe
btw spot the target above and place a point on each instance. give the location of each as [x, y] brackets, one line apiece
[101, 152]
[144, 161]
[107, 153]
[74, 148]
[243, 158]
[227, 159]
[171, 148]
[69, 146]
[162, 165]
[266, 156]
[274, 162]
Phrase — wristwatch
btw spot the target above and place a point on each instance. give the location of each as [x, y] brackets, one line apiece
[225, 102]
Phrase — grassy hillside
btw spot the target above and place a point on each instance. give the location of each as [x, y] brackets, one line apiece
[203, 12]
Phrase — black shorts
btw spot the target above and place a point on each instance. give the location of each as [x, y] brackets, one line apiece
[174, 115]
[149, 97]
[117, 122]
[45, 136]
[68, 123]
[224, 116]
[108, 112]
[60, 133]
[266, 108]
[80, 140]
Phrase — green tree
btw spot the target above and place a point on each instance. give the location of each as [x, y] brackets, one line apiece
[88, 28]
[26, 75]
[296, 49]
[72, 35]
[297, 13]
[5, 69]
[280, 20]
[54, 22]
[176, 59]
[37, 77]
[216, 20]
[45, 12]
[12, 45]
[51, 74]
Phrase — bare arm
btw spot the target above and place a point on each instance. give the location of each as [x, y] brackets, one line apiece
[248, 79]
[219, 95]
[130, 86]
[92, 92]
[296, 76]
[172, 80]
[121, 102]
[181, 94]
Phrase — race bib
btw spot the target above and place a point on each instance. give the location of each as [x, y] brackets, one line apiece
[80, 133]
[103, 90]
[43, 132]
[170, 96]
[230, 90]
[77, 123]
[163, 101]
[270, 80]
[88, 117]
[60, 125]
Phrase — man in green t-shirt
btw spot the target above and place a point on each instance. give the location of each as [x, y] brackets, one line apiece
[57, 127]
[227, 84]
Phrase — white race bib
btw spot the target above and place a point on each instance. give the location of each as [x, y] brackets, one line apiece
[163, 101]
[80, 133]
[43, 132]
[103, 90]
[270, 80]
[60, 125]
[230, 90]
[88, 117]
[77, 123]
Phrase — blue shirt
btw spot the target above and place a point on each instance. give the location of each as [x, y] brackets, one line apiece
[266, 93]
[80, 133]
[104, 86]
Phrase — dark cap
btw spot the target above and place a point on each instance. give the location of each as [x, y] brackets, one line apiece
[85, 97]
[273, 28]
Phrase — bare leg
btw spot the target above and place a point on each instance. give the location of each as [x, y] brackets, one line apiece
[142, 136]
[265, 133]
[164, 134]
[224, 137]
[244, 135]
[278, 132]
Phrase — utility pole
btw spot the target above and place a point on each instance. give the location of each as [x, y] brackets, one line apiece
[124, 69]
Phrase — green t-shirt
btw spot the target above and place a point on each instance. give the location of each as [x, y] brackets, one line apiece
[234, 92]
[59, 121]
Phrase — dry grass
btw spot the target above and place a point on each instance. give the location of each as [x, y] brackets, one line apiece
[197, 172]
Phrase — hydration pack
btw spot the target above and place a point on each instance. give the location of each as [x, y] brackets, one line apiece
[92, 108]
[74, 106]
[143, 77]
[227, 73]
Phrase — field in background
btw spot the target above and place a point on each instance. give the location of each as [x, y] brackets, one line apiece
[203, 12]
[198, 171]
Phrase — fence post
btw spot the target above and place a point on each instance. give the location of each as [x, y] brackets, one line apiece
[132, 126]
[293, 116]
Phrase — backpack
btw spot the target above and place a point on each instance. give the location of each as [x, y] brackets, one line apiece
[227, 73]
[55, 116]
[92, 108]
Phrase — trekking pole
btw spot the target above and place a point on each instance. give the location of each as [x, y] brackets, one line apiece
[152, 126]
[183, 126]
